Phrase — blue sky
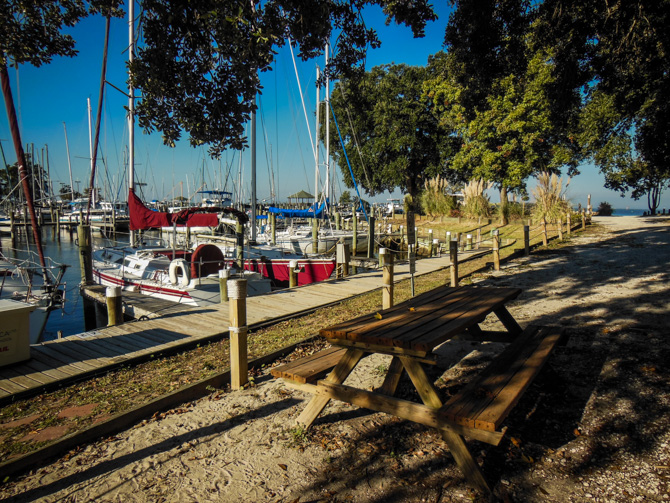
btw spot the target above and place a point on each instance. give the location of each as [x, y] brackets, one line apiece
[56, 93]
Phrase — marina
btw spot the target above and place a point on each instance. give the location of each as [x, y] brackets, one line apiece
[175, 327]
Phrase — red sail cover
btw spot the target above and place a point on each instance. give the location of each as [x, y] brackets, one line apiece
[142, 218]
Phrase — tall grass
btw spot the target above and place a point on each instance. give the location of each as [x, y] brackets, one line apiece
[550, 203]
[435, 200]
[475, 203]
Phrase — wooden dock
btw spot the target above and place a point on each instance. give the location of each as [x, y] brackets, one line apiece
[62, 361]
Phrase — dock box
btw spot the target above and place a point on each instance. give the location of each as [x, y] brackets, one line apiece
[14, 331]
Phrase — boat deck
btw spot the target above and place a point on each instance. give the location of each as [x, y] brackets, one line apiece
[62, 361]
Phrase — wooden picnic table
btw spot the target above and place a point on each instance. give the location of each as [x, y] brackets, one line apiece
[410, 331]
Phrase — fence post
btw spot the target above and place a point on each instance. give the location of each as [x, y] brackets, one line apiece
[453, 256]
[526, 239]
[496, 250]
[371, 236]
[545, 240]
[436, 247]
[430, 243]
[224, 274]
[560, 229]
[468, 242]
[583, 219]
[569, 222]
[237, 312]
[315, 235]
[292, 274]
[387, 263]
[354, 229]
[85, 258]
[342, 260]
[114, 306]
[479, 237]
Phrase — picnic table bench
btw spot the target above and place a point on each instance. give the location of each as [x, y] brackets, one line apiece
[410, 332]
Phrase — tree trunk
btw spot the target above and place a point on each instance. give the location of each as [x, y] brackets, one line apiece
[503, 206]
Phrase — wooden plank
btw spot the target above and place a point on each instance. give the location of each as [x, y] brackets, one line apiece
[67, 355]
[473, 397]
[395, 315]
[39, 366]
[11, 387]
[491, 417]
[487, 401]
[401, 408]
[431, 338]
[54, 360]
[309, 369]
[338, 375]
[433, 327]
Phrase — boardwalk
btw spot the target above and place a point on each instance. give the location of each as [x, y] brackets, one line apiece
[75, 357]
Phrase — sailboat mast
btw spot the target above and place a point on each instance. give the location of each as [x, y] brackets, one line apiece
[131, 106]
[316, 142]
[327, 114]
[253, 173]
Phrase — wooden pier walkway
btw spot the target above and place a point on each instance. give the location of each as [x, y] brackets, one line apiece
[76, 357]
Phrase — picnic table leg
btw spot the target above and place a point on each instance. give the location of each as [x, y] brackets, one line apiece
[337, 376]
[392, 377]
[459, 450]
[508, 320]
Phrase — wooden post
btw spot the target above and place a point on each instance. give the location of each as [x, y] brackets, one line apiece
[239, 252]
[342, 259]
[453, 256]
[560, 229]
[458, 239]
[114, 306]
[545, 240]
[237, 312]
[583, 219]
[371, 237]
[526, 239]
[224, 274]
[436, 247]
[315, 235]
[12, 225]
[411, 256]
[496, 250]
[273, 227]
[430, 243]
[85, 260]
[479, 237]
[292, 274]
[468, 242]
[354, 228]
[387, 291]
[57, 224]
[569, 220]
[337, 220]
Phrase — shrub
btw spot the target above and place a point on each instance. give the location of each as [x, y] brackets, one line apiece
[605, 209]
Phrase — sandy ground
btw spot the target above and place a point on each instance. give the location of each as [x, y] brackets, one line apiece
[593, 427]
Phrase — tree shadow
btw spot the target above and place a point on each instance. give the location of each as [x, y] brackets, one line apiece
[106, 467]
[606, 388]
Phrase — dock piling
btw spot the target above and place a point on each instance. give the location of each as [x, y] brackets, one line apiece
[237, 293]
[114, 306]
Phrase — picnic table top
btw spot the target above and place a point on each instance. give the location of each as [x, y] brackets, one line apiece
[423, 322]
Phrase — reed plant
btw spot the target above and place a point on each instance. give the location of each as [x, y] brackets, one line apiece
[435, 200]
[475, 203]
[550, 202]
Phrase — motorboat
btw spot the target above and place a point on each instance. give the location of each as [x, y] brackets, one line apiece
[25, 280]
[180, 276]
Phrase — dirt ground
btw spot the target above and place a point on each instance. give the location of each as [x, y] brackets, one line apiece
[592, 427]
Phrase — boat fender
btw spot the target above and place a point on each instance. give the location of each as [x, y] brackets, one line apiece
[174, 272]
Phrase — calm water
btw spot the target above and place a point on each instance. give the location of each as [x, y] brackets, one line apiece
[628, 212]
[70, 319]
